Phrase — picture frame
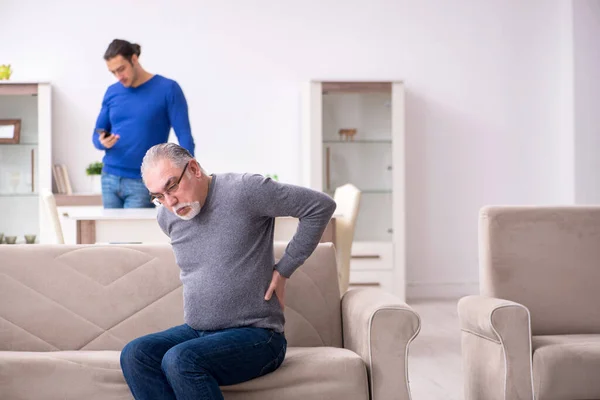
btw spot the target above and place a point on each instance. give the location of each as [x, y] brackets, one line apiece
[10, 131]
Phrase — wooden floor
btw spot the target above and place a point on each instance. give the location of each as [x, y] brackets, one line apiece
[434, 361]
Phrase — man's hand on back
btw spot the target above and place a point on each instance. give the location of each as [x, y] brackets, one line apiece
[278, 287]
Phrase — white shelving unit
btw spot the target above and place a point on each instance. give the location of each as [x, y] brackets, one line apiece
[25, 167]
[372, 159]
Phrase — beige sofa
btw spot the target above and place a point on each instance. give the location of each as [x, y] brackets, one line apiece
[534, 331]
[66, 311]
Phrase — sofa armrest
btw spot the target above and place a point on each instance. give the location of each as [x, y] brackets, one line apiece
[496, 348]
[379, 327]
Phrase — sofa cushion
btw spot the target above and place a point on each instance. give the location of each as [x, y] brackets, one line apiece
[96, 297]
[62, 375]
[566, 366]
[310, 372]
[59, 297]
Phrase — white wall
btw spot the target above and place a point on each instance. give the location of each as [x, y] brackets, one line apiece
[586, 39]
[485, 115]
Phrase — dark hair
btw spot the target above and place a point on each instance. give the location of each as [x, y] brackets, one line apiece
[119, 47]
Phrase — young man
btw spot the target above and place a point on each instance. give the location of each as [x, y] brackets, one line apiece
[137, 112]
[221, 229]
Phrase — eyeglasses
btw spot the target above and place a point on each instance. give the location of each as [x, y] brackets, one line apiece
[158, 198]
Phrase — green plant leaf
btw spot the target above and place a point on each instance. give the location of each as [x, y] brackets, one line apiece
[94, 168]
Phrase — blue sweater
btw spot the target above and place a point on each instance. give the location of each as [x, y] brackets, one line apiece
[142, 117]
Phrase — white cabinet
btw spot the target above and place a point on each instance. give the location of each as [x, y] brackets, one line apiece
[353, 132]
[25, 166]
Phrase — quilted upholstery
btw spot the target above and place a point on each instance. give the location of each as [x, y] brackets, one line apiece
[55, 297]
[66, 311]
[100, 297]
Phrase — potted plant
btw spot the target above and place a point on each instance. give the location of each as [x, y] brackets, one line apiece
[5, 72]
[94, 171]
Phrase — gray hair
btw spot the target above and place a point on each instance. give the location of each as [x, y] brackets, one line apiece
[178, 155]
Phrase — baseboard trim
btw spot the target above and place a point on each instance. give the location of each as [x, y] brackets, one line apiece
[440, 290]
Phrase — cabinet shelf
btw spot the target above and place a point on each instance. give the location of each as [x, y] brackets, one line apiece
[18, 194]
[358, 141]
[18, 144]
[375, 191]
[365, 191]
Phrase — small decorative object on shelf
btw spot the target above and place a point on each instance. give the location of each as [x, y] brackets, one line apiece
[15, 181]
[1, 237]
[347, 133]
[10, 131]
[94, 171]
[30, 239]
[10, 239]
[5, 72]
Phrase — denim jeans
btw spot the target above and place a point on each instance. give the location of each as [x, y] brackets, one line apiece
[118, 192]
[186, 364]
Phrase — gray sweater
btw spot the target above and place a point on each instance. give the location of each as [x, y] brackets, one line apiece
[225, 253]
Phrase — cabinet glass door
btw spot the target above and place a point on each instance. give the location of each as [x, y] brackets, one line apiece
[19, 169]
[19, 161]
[357, 149]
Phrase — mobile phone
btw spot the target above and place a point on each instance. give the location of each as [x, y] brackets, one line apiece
[102, 132]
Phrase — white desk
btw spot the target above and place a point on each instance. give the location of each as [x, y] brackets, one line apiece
[94, 224]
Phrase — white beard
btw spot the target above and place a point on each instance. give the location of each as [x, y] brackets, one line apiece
[194, 210]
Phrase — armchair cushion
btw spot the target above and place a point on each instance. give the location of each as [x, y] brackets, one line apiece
[566, 366]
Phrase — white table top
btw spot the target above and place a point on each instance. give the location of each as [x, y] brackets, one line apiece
[95, 213]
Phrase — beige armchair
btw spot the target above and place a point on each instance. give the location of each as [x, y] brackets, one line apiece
[66, 311]
[534, 330]
[52, 213]
[347, 198]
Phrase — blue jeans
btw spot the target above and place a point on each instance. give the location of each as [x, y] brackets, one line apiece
[118, 192]
[185, 364]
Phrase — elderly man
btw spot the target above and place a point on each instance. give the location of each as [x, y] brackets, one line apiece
[221, 229]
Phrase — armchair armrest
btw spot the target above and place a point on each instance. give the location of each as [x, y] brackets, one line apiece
[379, 327]
[496, 348]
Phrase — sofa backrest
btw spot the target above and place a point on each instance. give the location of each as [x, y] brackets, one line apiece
[100, 297]
[547, 259]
